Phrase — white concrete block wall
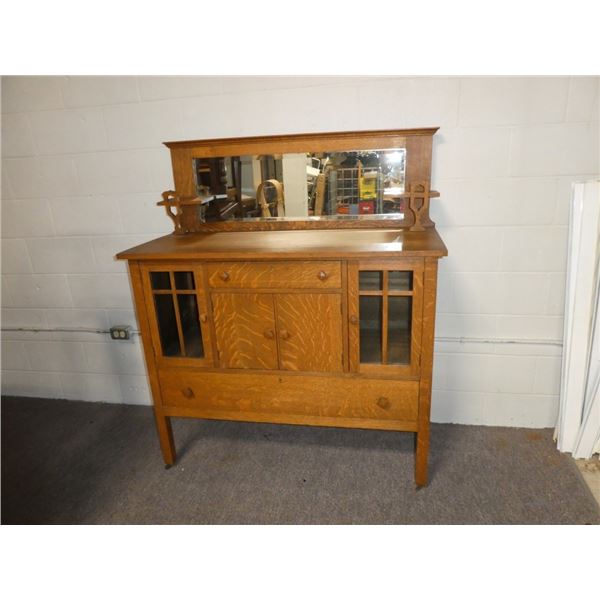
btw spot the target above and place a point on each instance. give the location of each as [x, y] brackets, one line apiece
[83, 165]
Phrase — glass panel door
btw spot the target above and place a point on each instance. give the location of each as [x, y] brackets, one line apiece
[384, 316]
[177, 298]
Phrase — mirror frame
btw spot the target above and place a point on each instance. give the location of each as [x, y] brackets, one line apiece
[181, 204]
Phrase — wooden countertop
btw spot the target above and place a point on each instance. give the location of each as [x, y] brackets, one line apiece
[291, 245]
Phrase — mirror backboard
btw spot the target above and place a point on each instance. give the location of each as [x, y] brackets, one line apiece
[329, 180]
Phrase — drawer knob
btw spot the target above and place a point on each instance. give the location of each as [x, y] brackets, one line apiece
[188, 392]
[353, 319]
[203, 318]
[383, 402]
[323, 275]
[224, 276]
[285, 334]
[269, 334]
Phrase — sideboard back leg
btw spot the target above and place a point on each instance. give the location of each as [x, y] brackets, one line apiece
[422, 457]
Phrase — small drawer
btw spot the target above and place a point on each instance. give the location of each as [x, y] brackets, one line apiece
[278, 275]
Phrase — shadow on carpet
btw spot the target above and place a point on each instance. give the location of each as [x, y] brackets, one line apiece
[77, 462]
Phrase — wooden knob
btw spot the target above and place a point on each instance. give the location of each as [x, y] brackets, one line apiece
[353, 319]
[188, 392]
[285, 334]
[323, 275]
[269, 334]
[203, 318]
[224, 276]
[383, 402]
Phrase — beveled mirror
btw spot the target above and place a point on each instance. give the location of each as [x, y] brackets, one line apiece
[308, 181]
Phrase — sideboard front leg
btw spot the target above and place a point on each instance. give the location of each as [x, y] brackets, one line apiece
[427, 342]
[165, 436]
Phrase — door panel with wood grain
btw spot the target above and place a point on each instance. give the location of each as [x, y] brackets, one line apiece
[310, 333]
[245, 330]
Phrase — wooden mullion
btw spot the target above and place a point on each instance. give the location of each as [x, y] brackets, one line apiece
[399, 293]
[384, 320]
[167, 292]
[177, 316]
[370, 292]
[389, 293]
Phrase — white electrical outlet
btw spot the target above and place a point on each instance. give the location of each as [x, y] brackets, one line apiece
[120, 332]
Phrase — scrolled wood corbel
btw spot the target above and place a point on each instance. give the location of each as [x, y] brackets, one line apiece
[418, 202]
[172, 203]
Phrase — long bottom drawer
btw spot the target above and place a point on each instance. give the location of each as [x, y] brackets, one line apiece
[298, 399]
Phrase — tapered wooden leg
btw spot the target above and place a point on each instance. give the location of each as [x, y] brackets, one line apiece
[427, 341]
[422, 456]
[165, 436]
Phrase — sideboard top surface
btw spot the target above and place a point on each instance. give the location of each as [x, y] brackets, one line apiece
[357, 243]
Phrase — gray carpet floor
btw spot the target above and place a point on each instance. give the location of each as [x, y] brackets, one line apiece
[76, 462]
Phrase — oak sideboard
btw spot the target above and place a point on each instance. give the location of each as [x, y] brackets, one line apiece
[324, 320]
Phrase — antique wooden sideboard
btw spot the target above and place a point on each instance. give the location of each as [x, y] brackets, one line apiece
[321, 319]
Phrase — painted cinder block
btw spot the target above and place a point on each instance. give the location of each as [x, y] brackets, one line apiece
[512, 100]
[68, 131]
[56, 356]
[42, 176]
[534, 249]
[61, 255]
[15, 257]
[144, 125]
[91, 387]
[31, 383]
[106, 247]
[124, 358]
[583, 99]
[496, 201]
[31, 93]
[135, 389]
[102, 290]
[98, 91]
[17, 137]
[139, 213]
[486, 373]
[14, 356]
[162, 88]
[86, 215]
[471, 152]
[504, 159]
[418, 102]
[26, 219]
[36, 291]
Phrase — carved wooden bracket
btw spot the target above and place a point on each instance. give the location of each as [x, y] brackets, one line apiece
[418, 202]
[172, 203]
[182, 211]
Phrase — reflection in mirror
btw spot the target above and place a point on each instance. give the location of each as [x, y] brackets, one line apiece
[349, 184]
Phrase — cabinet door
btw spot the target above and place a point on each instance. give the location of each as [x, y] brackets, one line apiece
[310, 335]
[245, 330]
[385, 316]
[178, 314]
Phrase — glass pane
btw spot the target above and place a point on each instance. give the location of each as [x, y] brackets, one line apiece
[167, 324]
[399, 326]
[192, 335]
[370, 280]
[370, 328]
[160, 280]
[184, 280]
[400, 281]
